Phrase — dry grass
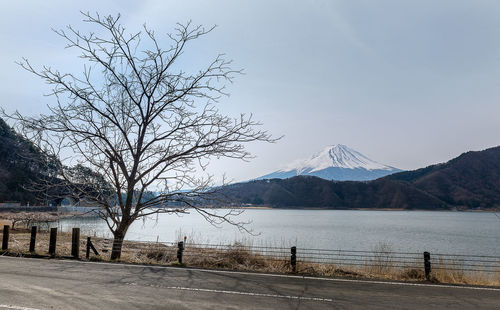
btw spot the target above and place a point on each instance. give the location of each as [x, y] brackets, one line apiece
[238, 257]
[461, 275]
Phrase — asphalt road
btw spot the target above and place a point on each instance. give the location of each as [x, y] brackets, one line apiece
[27, 284]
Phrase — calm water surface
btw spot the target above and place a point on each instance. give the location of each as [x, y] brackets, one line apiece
[413, 231]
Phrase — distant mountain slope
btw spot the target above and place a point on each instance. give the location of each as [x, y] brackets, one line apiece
[22, 165]
[19, 163]
[471, 180]
[337, 162]
[313, 192]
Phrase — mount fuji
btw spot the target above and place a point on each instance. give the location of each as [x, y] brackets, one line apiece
[336, 162]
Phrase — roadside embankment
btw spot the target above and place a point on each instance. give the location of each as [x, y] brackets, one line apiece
[381, 264]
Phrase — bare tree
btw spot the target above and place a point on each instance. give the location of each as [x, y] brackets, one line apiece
[139, 120]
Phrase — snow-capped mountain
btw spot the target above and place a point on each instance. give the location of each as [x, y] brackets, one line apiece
[335, 162]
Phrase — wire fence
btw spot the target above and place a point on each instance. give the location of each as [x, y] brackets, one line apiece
[340, 258]
[293, 258]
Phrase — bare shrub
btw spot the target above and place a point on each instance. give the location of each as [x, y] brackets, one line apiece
[382, 261]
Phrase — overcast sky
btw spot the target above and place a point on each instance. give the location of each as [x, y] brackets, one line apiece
[407, 83]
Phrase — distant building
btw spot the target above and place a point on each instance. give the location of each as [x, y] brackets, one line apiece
[9, 204]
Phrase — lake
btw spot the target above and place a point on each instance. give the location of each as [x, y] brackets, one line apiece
[407, 231]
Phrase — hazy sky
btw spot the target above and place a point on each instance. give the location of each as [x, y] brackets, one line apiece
[407, 83]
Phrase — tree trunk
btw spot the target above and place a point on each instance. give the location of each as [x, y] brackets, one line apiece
[119, 235]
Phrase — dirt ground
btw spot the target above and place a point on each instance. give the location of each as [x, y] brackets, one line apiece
[4, 222]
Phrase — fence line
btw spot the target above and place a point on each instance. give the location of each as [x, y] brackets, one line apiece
[296, 256]
[382, 259]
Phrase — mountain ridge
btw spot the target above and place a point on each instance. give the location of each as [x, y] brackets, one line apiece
[469, 181]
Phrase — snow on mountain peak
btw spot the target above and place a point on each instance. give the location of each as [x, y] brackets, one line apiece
[335, 162]
[338, 155]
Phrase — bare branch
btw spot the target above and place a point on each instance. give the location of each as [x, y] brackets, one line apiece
[135, 128]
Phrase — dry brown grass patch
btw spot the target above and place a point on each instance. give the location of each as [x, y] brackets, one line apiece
[240, 257]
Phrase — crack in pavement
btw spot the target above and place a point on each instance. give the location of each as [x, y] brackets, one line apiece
[300, 298]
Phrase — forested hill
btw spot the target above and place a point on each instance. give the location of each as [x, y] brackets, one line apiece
[469, 181]
[472, 179]
[18, 165]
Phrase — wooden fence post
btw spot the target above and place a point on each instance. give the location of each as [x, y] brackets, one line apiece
[90, 246]
[52, 241]
[5, 239]
[293, 258]
[87, 253]
[75, 243]
[33, 239]
[427, 265]
[180, 249]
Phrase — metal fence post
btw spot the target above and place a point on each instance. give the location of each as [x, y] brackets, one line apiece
[75, 243]
[427, 265]
[52, 241]
[5, 239]
[180, 249]
[293, 258]
[33, 238]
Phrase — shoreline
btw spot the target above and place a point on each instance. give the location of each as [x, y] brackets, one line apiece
[369, 209]
[7, 222]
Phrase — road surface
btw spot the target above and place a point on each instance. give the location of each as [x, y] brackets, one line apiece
[28, 284]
